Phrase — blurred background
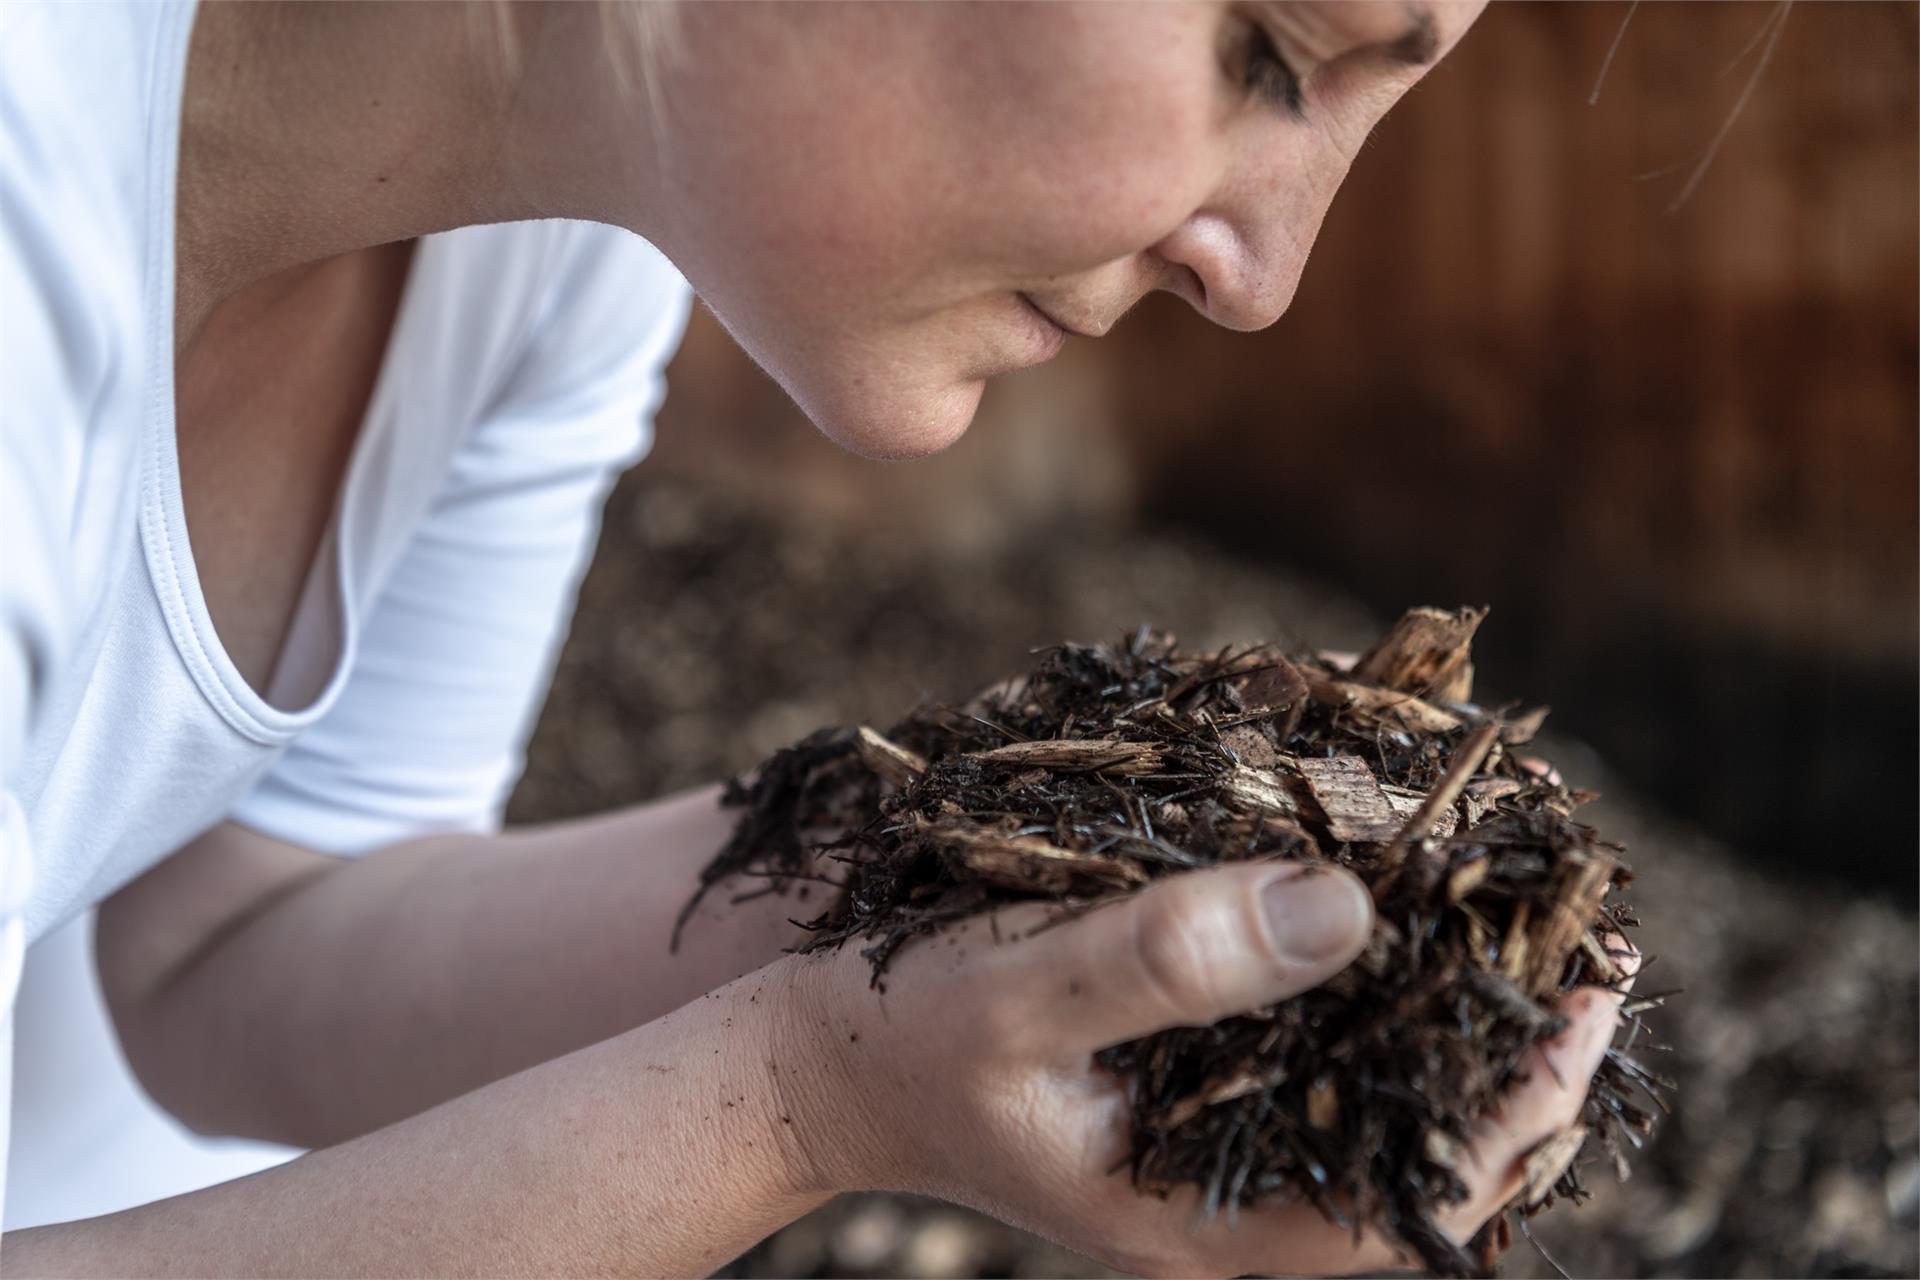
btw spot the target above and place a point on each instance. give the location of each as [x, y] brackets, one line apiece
[1674, 448]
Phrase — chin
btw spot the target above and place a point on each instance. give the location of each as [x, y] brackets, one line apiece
[896, 426]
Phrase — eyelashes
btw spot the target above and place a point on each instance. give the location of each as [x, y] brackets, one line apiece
[1267, 76]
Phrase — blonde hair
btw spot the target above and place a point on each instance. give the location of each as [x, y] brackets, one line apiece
[640, 36]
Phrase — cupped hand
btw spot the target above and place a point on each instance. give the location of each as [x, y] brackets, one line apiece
[970, 1077]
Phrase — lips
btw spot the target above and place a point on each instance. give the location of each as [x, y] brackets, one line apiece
[1057, 322]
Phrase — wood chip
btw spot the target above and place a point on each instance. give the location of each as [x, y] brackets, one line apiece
[1237, 1085]
[1094, 755]
[1479, 932]
[1494, 788]
[1467, 877]
[1523, 727]
[1251, 746]
[1477, 810]
[1030, 863]
[1466, 759]
[1579, 886]
[1350, 797]
[1323, 1103]
[1504, 997]
[1261, 790]
[1407, 802]
[1425, 653]
[1548, 1160]
[1388, 706]
[1278, 690]
[893, 763]
[1275, 686]
[1513, 949]
[1603, 964]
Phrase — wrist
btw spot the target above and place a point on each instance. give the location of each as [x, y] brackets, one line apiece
[830, 1093]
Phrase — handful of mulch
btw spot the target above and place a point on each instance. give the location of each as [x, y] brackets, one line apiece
[1108, 766]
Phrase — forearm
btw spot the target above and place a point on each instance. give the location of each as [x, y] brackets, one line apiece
[376, 988]
[664, 1151]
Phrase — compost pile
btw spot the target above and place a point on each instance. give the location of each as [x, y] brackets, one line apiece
[1108, 766]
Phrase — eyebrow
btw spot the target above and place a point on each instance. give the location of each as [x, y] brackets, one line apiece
[1421, 44]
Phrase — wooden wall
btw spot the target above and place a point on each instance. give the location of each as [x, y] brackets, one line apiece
[1713, 408]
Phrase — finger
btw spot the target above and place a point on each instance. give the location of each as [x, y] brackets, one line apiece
[1305, 1243]
[1494, 1173]
[1551, 1101]
[1188, 951]
[1285, 1239]
[1540, 769]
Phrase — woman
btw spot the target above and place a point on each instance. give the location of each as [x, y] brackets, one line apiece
[236, 302]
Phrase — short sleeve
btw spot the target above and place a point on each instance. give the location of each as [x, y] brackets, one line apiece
[429, 731]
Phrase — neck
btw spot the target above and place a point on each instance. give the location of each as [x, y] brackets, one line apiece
[314, 130]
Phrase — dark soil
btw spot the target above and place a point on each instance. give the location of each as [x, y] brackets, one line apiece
[709, 634]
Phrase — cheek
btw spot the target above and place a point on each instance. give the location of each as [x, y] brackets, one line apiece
[862, 235]
[872, 149]
[1100, 214]
[1106, 163]
[802, 167]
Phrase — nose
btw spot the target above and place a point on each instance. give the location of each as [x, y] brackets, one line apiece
[1229, 276]
[1238, 258]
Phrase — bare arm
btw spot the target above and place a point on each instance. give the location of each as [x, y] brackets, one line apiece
[667, 1149]
[263, 989]
[664, 1151]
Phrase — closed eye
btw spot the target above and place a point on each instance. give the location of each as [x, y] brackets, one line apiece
[1267, 76]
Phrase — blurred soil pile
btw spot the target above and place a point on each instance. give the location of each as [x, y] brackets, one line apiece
[711, 632]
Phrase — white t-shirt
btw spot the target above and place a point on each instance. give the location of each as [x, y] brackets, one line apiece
[522, 372]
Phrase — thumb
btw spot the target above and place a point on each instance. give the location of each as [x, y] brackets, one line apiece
[1193, 949]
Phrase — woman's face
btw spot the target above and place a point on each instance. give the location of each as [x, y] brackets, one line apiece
[888, 204]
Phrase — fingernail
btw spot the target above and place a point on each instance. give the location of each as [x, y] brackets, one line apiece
[1316, 915]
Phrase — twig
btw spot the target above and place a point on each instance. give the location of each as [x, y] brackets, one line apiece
[1465, 762]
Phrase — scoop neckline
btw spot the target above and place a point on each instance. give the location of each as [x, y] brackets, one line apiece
[163, 524]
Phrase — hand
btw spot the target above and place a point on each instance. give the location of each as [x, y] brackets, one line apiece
[971, 1079]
